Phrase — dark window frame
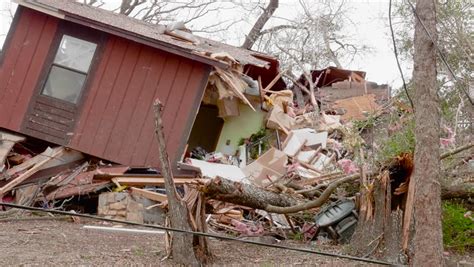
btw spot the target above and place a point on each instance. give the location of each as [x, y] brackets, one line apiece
[70, 69]
[78, 32]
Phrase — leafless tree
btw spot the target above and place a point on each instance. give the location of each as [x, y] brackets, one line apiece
[316, 37]
[6, 12]
[454, 20]
[256, 30]
[189, 12]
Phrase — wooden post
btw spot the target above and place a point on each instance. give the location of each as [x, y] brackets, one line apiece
[182, 245]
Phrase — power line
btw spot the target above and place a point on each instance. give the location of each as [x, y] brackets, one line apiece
[197, 233]
[443, 58]
[396, 53]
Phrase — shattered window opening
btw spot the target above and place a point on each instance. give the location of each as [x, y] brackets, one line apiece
[69, 70]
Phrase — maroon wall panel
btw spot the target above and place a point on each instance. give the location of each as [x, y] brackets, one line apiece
[137, 123]
[116, 122]
[21, 68]
[98, 94]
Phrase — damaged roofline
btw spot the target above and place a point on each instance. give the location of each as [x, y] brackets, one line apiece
[40, 7]
[146, 41]
[61, 14]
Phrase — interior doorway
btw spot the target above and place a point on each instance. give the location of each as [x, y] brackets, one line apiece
[206, 129]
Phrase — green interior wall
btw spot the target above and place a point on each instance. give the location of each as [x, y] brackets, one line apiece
[242, 126]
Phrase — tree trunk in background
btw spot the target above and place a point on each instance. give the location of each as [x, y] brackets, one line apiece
[428, 239]
[182, 245]
[258, 26]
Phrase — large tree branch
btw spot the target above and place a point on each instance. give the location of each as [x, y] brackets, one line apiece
[127, 6]
[314, 203]
[258, 26]
[278, 28]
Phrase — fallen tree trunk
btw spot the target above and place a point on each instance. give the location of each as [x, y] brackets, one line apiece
[457, 191]
[259, 198]
[244, 194]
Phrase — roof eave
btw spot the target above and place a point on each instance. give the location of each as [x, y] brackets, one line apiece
[122, 33]
[41, 8]
[143, 40]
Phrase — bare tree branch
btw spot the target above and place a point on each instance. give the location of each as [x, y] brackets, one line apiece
[258, 26]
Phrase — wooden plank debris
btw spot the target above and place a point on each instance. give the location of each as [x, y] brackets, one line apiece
[149, 194]
[137, 181]
[67, 156]
[7, 141]
[48, 156]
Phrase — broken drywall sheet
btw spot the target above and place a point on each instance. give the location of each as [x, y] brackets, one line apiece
[268, 167]
[212, 170]
[310, 137]
[300, 138]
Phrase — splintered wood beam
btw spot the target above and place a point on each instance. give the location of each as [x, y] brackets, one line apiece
[51, 155]
[274, 81]
[149, 194]
[137, 181]
[7, 141]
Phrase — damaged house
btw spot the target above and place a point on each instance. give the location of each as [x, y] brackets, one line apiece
[86, 78]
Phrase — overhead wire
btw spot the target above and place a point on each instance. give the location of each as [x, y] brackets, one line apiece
[396, 53]
[441, 54]
[196, 233]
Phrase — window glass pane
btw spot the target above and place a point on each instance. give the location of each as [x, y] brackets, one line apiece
[64, 84]
[75, 53]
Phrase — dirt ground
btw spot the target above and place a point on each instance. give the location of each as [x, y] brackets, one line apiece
[61, 243]
[65, 243]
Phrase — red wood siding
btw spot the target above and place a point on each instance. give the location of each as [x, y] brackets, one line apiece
[22, 65]
[117, 122]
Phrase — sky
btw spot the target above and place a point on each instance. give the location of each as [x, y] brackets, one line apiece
[370, 27]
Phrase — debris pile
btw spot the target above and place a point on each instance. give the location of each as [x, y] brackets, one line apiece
[313, 150]
[34, 174]
[311, 180]
[318, 150]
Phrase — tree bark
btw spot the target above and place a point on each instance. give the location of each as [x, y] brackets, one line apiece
[244, 194]
[428, 239]
[182, 245]
[323, 198]
[258, 26]
[259, 198]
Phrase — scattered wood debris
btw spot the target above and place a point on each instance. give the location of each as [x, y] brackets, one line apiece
[312, 179]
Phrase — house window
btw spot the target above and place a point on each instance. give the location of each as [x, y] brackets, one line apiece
[69, 70]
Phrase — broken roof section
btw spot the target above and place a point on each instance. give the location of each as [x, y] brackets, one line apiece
[331, 75]
[158, 36]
